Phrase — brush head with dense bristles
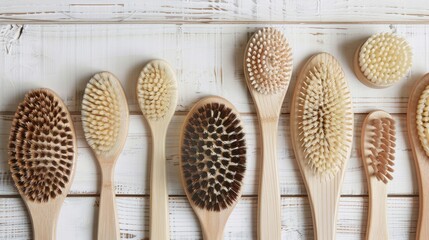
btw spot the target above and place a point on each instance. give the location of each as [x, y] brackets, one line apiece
[384, 59]
[157, 90]
[42, 147]
[268, 61]
[104, 113]
[379, 146]
[324, 116]
[422, 120]
[213, 155]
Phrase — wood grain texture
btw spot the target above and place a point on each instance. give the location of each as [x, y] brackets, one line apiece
[133, 215]
[207, 59]
[214, 11]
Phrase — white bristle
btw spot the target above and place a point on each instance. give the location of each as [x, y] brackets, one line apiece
[325, 120]
[268, 61]
[100, 112]
[422, 120]
[155, 89]
[385, 58]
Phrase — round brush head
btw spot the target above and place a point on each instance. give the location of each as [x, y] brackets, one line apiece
[104, 112]
[383, 60]
[325, 118]
[42, 146]
[157, 90]
[213, 155]
[268, 61]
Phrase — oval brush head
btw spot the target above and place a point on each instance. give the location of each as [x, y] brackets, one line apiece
[42, 147]
[325, 118]
[268, 61]
[422, 119]
[104, 113]
[213, 155]
[379, 145]
[383, 60]
[157, 90]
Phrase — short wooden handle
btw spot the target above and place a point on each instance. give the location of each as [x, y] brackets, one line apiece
[159, 221]
[377, 211]
[269, 195]
[108, 227]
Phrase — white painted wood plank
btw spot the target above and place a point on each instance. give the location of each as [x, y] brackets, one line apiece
[207, 59]
[78, 218]
[214, 11]
[132, 166]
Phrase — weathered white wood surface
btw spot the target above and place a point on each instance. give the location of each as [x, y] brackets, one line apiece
[215, 11]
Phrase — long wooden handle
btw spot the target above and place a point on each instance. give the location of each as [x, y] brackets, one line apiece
[269, 226]
[44, 223]
[377, 211]
[108, 227]
[159, 222]
[423, 226]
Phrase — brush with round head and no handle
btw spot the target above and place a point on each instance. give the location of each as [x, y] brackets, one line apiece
[42, 157]
[268, 69]
[212, 162]
[105, 125]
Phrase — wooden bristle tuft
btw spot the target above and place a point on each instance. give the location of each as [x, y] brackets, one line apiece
[213, 156]
[41, 146]
[268, 61]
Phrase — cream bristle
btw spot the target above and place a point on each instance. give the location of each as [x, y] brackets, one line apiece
[100, 112]
[422, 120]
[155, 89]
[268, 61]
[385, 58]
[382, 148]
[325, 120]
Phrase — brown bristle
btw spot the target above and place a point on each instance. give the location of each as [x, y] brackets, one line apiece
[213, 156]
[41, 146]
[382, 148]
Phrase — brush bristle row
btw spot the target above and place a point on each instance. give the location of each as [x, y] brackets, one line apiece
[156, 86]
[422, 120]
[385, 58]
[324, 119]
[100, 112]
[213, 156]
[41, 147]
[268, 61]
[382, 148]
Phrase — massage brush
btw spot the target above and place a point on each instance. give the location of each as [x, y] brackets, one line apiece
[42, 153]
[418, 134]
[105, 125]
[212, 162]
[322, 134]
[157, 97]
[383, 60]
[268, 68]
[378, 155]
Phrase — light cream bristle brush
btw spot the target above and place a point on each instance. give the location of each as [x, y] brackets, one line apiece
[268, 68]
[378, 155]
[212, 162]
[42, 157]
[383, 60]
[322, 133]
[157, 97]
[105, 124]
[418, 134]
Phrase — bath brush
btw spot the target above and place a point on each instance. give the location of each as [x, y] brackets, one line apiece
[105, 125]
[383, 60]
[212, 162]
[268, 68]
[378, 154]
[42, 157]
[418, 134]
[322, 134]
[157, 97]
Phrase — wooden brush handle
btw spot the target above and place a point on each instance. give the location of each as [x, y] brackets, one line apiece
[44, 221]
[377, 211]
[159, 222]
[269, 194]
[423, 225]
[108, 227]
